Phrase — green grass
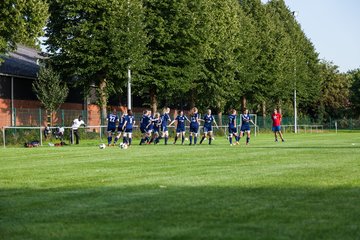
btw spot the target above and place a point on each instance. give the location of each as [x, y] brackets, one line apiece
[305, 188]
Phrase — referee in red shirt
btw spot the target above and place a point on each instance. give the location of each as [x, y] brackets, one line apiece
[276, 127]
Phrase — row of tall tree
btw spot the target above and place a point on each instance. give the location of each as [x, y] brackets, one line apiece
[205, 53]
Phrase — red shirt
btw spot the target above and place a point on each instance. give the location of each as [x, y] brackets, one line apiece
[276, 118]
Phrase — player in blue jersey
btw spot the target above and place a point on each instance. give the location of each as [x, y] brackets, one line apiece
[233, 127]
[128, 126]
[150, 128]
[180, 126]
[120, 129]
[112, 120]
[208, 130]
[144, 126]
[165, 118]
[156, 129]
[194, 125]
[245, 125]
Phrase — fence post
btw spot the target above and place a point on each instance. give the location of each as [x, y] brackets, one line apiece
[40, 136]
[14, 119]
[336, 126]
[40, 120]
[62, 117]
[3, 132]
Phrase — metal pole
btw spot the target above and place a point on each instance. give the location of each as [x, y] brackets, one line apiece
[40, 137]
[12, 103]
[129, 89]
[3, 132]
[295, 111]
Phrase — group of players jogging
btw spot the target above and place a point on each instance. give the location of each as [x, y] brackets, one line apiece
[155, 127]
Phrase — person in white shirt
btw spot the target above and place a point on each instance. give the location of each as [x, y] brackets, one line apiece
[75, 127]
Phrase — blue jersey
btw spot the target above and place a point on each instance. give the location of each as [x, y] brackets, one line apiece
[129, 122]
[145, 120]
[245, 120]
[152, 120]
[122, 121]
[232, 120]
[112, 119]
[208, 120]
[194, 118]
[164, 119]
[180, 122]
[157, 124]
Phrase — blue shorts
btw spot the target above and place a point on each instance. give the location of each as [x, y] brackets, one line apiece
[120, 129]
[180, 129]
[128, 130]
[156, 129]
[164, 128]
[143, 130]
[245, 128]
[276, 128]
[194, 127]
[207, 129]
[232, 130]
[111, 129]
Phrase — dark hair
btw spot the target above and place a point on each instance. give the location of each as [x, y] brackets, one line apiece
[179, 112]
[130, 113]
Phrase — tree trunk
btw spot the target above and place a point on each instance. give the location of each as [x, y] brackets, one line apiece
[219, 110]
[192, 99]
[243, 102]
[103, 99]
[219, 118]
[153, 100]
[279, 107]
[263, 108]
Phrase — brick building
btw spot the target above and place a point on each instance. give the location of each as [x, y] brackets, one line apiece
[18, 103]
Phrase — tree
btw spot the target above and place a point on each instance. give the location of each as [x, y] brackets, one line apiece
[50, 90]
[335, 92]
[21, 21]
[94, 42]
[355, 91]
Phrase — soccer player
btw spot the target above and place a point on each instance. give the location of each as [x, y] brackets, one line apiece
[233, 127]
[194, 125]
[208, 131]
[165, 118]
[245, 125]
[121, 127]
[144, 125]
[74, 129]
[156, 128]
[150, 128]
[128, 126]
[111, 119]
[276, 127]
[180, 126]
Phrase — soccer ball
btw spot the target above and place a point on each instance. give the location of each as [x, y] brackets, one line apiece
[123, 146]
[102, 146]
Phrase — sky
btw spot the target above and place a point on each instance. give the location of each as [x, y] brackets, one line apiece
[333, 26]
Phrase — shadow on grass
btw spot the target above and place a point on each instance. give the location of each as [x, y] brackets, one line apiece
[176, 212]
[309, 147]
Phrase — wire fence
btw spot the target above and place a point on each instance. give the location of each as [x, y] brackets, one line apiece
[37, 117]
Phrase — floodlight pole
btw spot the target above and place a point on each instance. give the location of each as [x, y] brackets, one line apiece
[295, 13]
[295, 110]
[129, 89]
[129, 71]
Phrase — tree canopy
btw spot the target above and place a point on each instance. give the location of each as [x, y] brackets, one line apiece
[21, 21]
[212, 54]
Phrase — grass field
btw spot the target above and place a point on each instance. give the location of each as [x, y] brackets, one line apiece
[305, 188]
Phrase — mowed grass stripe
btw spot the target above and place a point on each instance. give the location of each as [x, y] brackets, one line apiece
[305, 188]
